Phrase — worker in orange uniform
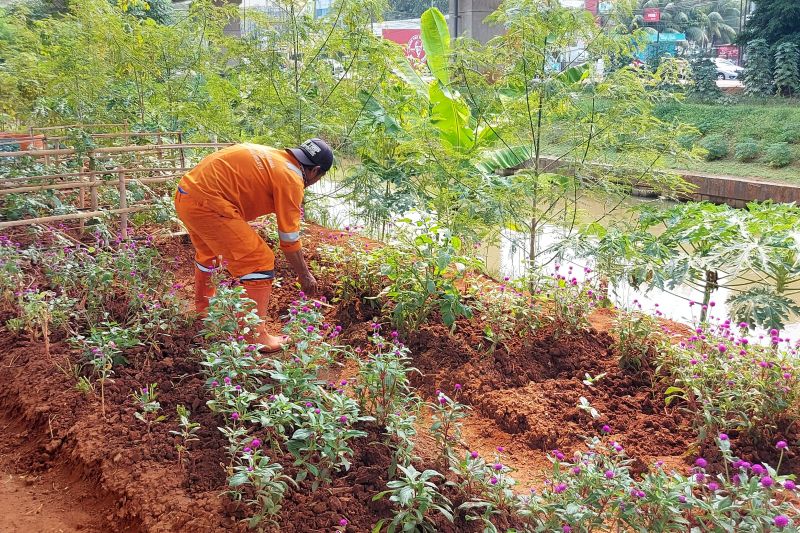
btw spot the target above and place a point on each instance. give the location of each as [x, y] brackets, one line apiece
[216, 199]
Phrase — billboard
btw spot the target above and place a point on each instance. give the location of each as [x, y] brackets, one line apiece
[651, 14]
[728, 51]
[411, 42]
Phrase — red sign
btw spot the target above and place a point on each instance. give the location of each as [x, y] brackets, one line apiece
[591, 6]
[728, 51]
[411, 42]
[651, 14]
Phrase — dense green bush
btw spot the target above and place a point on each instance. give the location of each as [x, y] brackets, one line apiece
[779, 155]
[716, 145]
[758, 69]
[746, 151]
[787, 71]
[790, 134]
[704, 76]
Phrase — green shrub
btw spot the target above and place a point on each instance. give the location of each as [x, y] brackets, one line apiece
[790, 134]
[716, 145]
[746, 151]
[687, 141]
[779, 155]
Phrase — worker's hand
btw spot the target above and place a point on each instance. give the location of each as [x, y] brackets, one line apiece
[309, 285]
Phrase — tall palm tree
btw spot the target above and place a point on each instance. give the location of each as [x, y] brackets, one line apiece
[705, 22]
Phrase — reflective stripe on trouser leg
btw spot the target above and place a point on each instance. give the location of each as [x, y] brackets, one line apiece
[255, 276]
[203, 268]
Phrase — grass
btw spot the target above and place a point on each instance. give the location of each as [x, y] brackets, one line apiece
[764, 122]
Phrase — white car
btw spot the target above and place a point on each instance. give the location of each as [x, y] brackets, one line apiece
[727, 69]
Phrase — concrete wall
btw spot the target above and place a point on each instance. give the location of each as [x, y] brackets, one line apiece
[466, 18]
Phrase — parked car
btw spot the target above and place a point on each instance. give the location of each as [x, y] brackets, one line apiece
[727, 69]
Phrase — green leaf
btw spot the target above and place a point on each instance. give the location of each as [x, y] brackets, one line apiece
[503, 158]
[574, 74]
[377, 114]
[450, 115]
[436, 42]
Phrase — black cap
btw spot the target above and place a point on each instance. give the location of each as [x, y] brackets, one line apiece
[314, 153]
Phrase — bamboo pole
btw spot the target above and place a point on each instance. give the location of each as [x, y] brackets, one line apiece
[114, 149]
[123, 204]
[101, 172]
[73, 216]
[93, 181]
[79, 184]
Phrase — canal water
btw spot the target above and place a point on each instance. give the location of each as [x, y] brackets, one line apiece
[508, 257]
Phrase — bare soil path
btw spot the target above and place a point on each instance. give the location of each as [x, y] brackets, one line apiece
[38, 499]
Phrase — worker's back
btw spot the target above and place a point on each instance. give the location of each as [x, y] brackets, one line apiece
[246, 180]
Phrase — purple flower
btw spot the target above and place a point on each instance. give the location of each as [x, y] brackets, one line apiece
[558, 455]
[606, 429]
[501, 449]
[310, 329]
[699, 477]
[702, 463]
[723, 436]
[789, 485]
[566, 529]
[473, 455]
[498, 466]
[766, 482]
[443, 399]
[781, 445]
[343, 419]
[576, 470]
[343, 522]
[227, 380]
[458, 386]
[255, 444]
[609, 474]
[234, 416]
[682, 498]
[247, 449]
[713, 487]
[215, 383]
[758, 469]
[722, 348]
[781, 521]
[561, 487]
[493, 480]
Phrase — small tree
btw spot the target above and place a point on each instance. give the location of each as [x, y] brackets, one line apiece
[704, 76]
[787, 73]
[757, 69]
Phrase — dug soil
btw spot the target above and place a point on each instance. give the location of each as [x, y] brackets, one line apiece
[95, 471]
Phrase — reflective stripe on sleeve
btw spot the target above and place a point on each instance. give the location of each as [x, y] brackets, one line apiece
[293, 236]
[294, 169]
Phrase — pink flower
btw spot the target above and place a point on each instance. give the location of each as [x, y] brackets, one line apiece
[781, 445]
[606, 429]
[561, 487]
[609, 474]
[702, 463]
[343, 522]
[781, 521]
[473, 455]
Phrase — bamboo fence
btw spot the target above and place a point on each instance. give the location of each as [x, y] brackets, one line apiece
[91, 178]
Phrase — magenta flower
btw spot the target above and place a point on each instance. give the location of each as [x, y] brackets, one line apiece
[781, 445]
[255, 444]
[766, 482]
[576, 470]
[343, 419]
[473, 455]
[781, 521]
[606, 429]
[498, 466]
[501, 449]
[723, 436]
[234, 416]
[682, 498]
[343, 522]
[227, 380]
[561, 487]
[713, 487]
[702, 463]
[566, 529]
[789, 485]
[458, 386]
[758, 470]
[609, 474]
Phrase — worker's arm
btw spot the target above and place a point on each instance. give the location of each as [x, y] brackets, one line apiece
[307, 280]
[288, 196]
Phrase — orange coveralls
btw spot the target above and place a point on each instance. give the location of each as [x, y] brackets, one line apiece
[217, 198]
